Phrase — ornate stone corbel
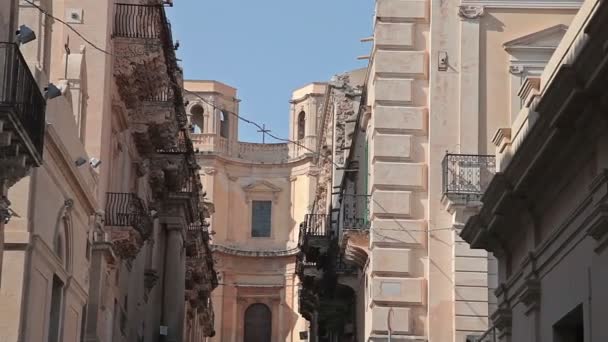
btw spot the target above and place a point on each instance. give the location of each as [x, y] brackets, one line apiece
[516, 69]
[470, 11]
[531, 294]
[68, 205]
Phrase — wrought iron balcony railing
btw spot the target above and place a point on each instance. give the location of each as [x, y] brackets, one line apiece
[467, 176]
[22, 105]
[149, 22]
[182, 145]
[164, 94]
[139, 21]
[356, 211]
[316, 225]
[128, 210]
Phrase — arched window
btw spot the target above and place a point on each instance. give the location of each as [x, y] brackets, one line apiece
[196, 119]
[301, 125]
[62, 242]
[223, 124]
[258, 323]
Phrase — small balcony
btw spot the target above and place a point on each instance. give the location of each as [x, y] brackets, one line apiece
[163, 94]
[315, 237]
[22, 111]
[316, 225]
[181, 145]
[138, 21]
[467, 176]
[189, 189]
[130, 223]
[356, 212]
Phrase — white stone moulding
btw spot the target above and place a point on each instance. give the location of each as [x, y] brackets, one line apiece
[540, 4]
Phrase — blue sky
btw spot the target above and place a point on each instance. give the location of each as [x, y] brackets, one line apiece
[268, 48]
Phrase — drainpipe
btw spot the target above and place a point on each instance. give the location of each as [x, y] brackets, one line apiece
[388, 324]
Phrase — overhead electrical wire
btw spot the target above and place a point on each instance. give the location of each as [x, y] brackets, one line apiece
[238, 116]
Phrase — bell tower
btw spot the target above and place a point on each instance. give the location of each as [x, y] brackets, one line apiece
[306, 111]
[213, 122]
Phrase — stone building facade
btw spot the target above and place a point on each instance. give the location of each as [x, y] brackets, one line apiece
[543, 214]
[443, 78]
[261, 193]
[116, 250]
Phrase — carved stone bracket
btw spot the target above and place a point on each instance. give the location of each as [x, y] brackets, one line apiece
[531, 295]
[516, 69]
[470, 11]
[5, 210]
[126, 242]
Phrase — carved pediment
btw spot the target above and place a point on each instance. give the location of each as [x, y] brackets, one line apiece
[262, 186]
[547, 39]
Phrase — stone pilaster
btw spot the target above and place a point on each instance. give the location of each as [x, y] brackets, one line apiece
[469, 78]
[398, 174]
[174, 278]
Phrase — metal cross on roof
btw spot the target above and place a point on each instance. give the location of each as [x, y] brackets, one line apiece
[264, 131]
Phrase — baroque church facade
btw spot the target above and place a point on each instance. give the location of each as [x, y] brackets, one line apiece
[261, 193]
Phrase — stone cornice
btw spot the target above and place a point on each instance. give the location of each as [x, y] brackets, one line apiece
[251, 253]
[537, 4]
[291, 162]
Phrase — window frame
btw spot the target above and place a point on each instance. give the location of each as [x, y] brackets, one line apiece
[251, 218]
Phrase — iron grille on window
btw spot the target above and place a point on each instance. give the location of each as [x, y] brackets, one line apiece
[22, 105]
[128, 210]
[356, 211]
[467, 175]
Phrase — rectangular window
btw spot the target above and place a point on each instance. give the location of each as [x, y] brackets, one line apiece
[260, 218]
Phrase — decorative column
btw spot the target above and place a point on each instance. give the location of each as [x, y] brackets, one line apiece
[174, 279]
[469, 78]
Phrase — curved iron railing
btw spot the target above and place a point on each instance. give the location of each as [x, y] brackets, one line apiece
[21, 100]
[182, 145]
[139, 21]
[128, 210]
[467, 175]
[356, 214]
[316, 225]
